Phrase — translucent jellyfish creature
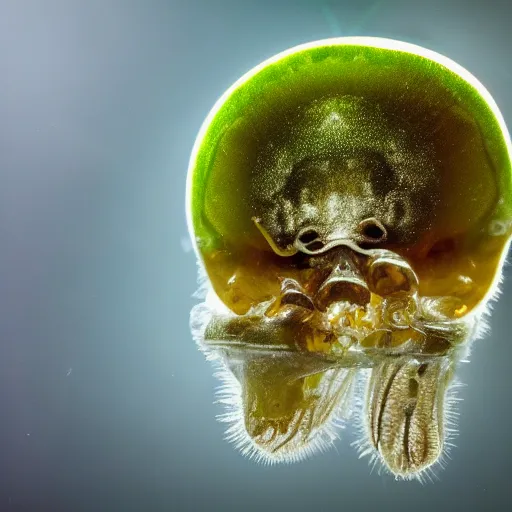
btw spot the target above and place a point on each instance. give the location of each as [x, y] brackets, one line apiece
[350, 204]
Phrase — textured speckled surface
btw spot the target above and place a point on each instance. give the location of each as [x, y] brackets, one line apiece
[413, 86]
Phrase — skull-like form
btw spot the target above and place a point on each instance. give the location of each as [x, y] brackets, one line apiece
[350, 202]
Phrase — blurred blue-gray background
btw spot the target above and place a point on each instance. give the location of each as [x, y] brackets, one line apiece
[105, 402]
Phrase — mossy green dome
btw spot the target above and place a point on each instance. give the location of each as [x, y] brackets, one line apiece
[444, 107]
[416, 82]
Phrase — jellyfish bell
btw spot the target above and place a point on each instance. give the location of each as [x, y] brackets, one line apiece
[303, 151]
[350, 199]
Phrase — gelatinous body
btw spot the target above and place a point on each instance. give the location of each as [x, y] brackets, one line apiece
[350, 202]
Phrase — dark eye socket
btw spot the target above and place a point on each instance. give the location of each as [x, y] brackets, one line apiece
[308, 236]
[373, 230]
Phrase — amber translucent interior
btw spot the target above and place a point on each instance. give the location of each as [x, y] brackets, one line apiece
[244, 280]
